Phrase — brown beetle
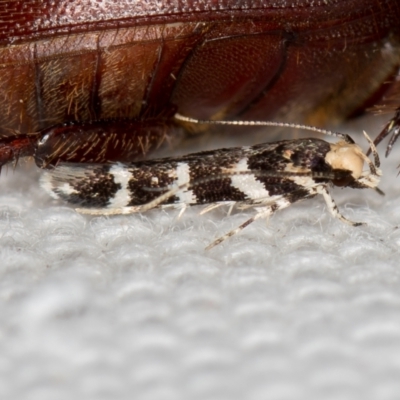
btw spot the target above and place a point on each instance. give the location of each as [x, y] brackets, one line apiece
[88, 81]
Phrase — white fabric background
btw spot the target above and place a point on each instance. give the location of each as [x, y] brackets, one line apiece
[132, 307]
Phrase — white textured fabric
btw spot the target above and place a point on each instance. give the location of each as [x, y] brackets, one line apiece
[132, 307]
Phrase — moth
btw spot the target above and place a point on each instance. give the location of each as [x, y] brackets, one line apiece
[266, 177]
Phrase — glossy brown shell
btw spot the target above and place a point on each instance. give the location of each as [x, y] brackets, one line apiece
[299, 60]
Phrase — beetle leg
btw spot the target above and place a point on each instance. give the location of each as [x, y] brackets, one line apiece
[102, 141]
[392, 128]
[90, 142]
[12, 148]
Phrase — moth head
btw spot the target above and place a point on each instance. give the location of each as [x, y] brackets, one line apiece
[349, 157]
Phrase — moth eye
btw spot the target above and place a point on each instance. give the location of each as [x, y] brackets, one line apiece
[343, 182]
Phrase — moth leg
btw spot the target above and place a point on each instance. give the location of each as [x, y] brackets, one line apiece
[210, 208]
[182, 210]
[333, 208]
[108, 212]
[217, 205]
[231, 208]
[262, 214]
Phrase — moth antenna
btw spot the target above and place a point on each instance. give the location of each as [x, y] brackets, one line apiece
[343, 136]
